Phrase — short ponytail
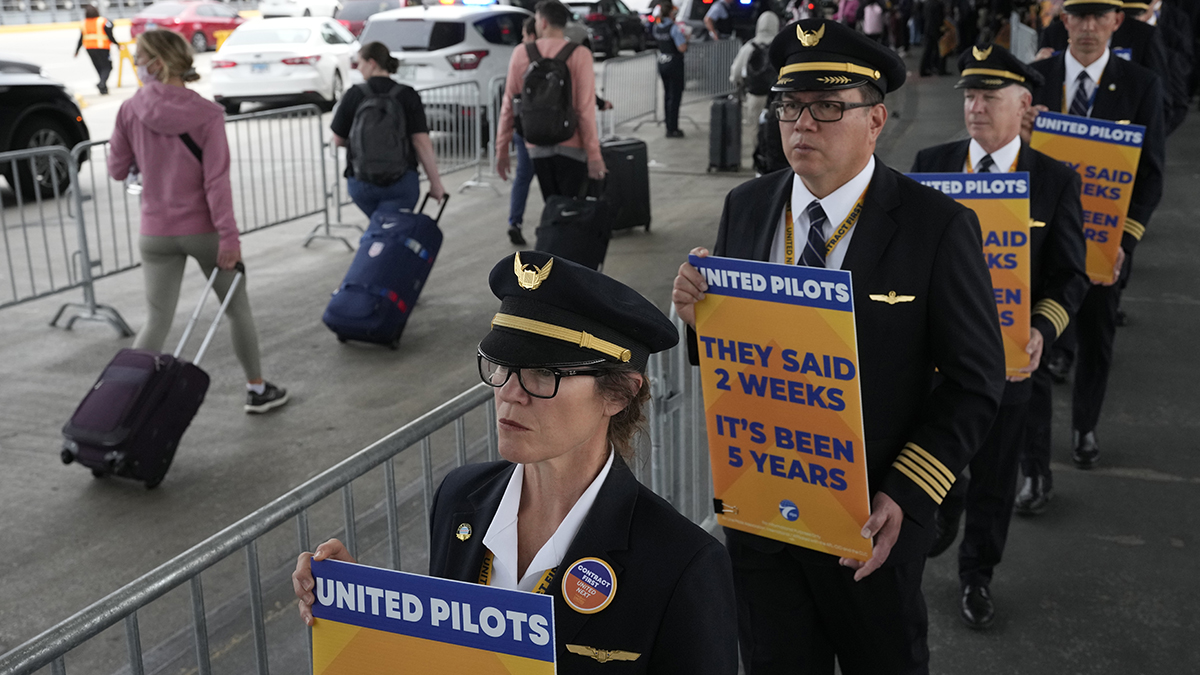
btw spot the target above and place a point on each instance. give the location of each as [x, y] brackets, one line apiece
[381, 55]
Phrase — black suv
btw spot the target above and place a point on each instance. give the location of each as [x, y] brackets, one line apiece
[36, 111]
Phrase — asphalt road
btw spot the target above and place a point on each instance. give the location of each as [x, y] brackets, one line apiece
[1103, 583]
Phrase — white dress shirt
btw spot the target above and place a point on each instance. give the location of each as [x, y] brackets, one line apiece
[1071, 80]
[501, 535]
[837, 205]
[1005, 158]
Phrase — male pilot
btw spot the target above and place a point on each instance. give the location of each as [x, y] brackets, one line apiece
[923, 302]
[1087, 80]
[997, 90]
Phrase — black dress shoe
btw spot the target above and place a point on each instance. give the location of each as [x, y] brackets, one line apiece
[945, 532]
[976, 609]
[1059, 367]
[1035, 494]
[515, 236]
[1087, 452]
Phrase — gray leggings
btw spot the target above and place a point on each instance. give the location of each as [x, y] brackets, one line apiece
[163, 262]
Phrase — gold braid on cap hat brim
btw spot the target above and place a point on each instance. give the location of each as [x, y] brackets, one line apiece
[830, 66]
[1111, 3]
[580, 338]
[994, 73]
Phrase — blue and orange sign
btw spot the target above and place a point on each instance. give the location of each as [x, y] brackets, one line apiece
[779, 366]
[369, 621]
[589, 585]
[1105, 154]
[1001, 202]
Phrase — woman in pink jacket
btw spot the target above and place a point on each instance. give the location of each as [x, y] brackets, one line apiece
[176, 140]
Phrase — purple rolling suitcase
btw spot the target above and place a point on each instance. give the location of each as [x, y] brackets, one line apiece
[131, 420]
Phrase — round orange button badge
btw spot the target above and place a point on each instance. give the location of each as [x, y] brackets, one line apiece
[589, 585]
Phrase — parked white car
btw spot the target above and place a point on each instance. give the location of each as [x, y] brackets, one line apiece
[283, 60]
[448, 44]
[277, 8]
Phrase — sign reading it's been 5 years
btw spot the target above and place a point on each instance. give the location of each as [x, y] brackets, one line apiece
[1001, 202]
[1105, 154]
[779, 366]
[371, 621]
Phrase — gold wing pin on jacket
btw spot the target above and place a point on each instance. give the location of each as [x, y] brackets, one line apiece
[603, 655]
[891, 298]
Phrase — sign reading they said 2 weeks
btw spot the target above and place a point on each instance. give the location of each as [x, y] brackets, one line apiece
[779, 366]
[371, 621]
[1001, 202]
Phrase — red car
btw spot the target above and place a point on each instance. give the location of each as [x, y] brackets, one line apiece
[197, 22]
[354, 13]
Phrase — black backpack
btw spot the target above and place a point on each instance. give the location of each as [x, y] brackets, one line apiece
[547, 105]
[760, 75]
[379, 138]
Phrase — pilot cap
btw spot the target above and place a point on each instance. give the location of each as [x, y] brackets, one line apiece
[820, 54]
[989, 66]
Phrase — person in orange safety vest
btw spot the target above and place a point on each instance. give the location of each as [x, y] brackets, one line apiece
[97, 37]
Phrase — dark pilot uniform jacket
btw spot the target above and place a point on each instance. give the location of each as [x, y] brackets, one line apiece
[1127, 93]
[1057, 252]
[910, 240]
[674, 603]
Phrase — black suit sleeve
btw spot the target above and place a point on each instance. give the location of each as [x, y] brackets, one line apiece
[1148, 186]
[921, 162]
[1063, 266]
[964, 340]
[698, 633]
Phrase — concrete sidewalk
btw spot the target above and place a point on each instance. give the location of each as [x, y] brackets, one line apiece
[1101, 584]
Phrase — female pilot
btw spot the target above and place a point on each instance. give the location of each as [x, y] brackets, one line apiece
[567, 355]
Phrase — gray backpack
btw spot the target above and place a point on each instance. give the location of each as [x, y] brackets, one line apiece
[379, 138]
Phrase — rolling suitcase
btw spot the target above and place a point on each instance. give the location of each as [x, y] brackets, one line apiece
[394, 258]
[627, 187]
[130, 423]
[576, 228]
[725, 134]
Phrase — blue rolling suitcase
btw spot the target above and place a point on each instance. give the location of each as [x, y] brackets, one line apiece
[394, 259]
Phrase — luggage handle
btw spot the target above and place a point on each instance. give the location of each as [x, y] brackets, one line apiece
[438, 218]
[191, 324]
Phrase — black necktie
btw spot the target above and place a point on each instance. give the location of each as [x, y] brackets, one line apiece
[985, 164]
[814, 250]
[1079, 104]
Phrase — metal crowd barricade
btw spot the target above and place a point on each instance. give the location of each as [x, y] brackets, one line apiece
[455, 115]
[706, 69]
[631, 84]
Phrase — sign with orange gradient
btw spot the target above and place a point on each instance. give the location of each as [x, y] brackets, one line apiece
[779, 366]
[371, 621]
[1105, 154]
[1001, 202]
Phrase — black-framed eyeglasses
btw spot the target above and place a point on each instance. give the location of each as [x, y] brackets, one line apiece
[537, 382]
[821, 111]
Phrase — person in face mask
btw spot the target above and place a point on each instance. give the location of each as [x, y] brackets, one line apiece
[176, 139]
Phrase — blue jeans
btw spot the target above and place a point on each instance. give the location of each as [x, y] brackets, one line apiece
[369, 197]
[521, 180]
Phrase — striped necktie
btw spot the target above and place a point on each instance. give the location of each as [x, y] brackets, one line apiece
[985, 165]
[814, 250]
[1080, 104]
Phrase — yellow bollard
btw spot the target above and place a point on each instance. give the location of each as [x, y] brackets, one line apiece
[221, 35]
[126, 56]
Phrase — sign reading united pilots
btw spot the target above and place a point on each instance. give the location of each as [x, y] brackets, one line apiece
[372, 621]
[779, 367]
[1105, 154]
[1001, 202]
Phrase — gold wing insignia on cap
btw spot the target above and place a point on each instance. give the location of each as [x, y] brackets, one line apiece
[603, 655]
[530, 277]
[891, 298]
[834, 79]
[810, 38]
[981, 54]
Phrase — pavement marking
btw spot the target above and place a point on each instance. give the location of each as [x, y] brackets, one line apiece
[63, 25]
[1151, 475]
[1166, 298]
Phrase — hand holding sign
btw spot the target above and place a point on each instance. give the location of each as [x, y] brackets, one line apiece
[689, 289]
[884, 524]
[302, 578]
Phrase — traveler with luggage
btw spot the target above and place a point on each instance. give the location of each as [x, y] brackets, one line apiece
[752, 70]
[556, 86]
[97, 37]
[564, 495]
[382, 125]
[175, 140]
[672, 44]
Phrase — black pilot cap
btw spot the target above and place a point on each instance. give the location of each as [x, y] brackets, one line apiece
[989, 66]
[1086, 7]
[555, 313]
[820, 54]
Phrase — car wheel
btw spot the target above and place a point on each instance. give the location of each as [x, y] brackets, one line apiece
[41, 174]
[336, 93]
[199, 43]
